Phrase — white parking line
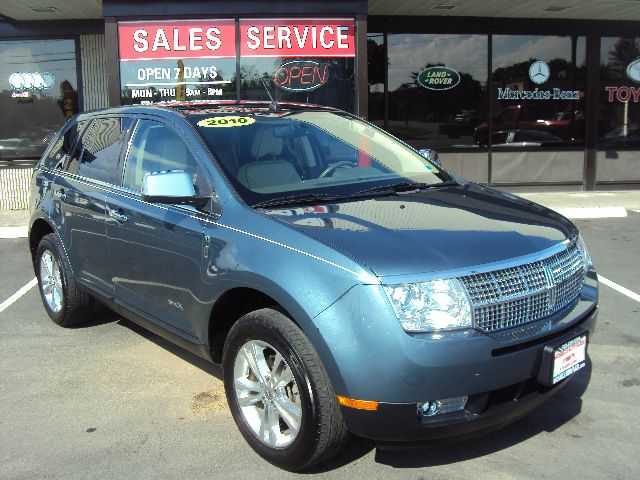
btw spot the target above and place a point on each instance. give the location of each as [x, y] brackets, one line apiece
[599, 212]
[619, 288]
[13, 298]
[13, 232]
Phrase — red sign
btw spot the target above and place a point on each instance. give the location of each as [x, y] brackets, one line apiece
[297, 38]
[623, 94]
[301, 75]
[177, 40]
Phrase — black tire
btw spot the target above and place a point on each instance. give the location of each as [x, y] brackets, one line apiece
[77, 305]
[322, 432]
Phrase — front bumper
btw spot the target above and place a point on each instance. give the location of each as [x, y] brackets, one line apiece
[368, 359]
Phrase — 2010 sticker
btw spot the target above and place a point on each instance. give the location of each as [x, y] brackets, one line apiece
[226, 121]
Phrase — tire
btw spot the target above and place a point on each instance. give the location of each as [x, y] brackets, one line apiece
[322, 431]
[73, 306]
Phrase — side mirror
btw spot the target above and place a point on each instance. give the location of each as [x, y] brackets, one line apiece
[430, 155]
[169, 186]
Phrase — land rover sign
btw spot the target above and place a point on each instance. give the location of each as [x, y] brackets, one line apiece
[438, 78]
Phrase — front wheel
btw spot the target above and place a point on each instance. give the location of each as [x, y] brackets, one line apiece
[279, 393]
[64, 302]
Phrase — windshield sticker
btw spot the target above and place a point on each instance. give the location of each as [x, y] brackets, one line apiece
[226, 121]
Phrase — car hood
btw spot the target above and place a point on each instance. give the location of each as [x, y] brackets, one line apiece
[434, 230]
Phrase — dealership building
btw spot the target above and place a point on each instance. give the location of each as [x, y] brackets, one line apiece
[520, 95]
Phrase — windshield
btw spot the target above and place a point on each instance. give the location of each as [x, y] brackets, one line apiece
[271, 155]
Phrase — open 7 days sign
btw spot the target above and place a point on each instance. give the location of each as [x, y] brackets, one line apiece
[200, 39]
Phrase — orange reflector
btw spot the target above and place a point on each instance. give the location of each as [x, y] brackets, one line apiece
[359, 404]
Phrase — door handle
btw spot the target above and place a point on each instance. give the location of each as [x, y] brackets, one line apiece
[60, 193]
[117, 216]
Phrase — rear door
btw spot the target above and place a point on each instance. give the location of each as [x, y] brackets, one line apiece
[81, 189]
[157, 250]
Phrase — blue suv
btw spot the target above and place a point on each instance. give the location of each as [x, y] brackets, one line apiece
[346, 283]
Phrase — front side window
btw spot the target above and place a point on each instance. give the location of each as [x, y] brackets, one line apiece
[268, 155]
[154, 148]
[98, 152]
[60, 151]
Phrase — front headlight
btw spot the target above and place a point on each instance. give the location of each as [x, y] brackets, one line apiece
[429, 306]
[584, 253]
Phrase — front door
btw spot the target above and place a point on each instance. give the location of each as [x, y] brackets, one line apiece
[81, 190]
[157, 251]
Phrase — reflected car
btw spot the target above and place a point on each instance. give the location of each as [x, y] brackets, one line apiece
[530, 117]
[346, 284]
[525, 138]
[19, 148]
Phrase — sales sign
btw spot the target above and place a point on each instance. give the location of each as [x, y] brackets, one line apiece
[196, 39]
[177, 40]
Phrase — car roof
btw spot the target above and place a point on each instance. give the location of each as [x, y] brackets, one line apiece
[167, 109]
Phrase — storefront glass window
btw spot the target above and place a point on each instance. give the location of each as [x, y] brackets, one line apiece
[301, 60]
[38, 87]
[177, 61]
[437, 88]
[619, 102]
[377, 63]
[537, 92]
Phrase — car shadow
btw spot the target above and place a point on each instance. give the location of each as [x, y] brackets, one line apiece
[187, 356]
[558, 410]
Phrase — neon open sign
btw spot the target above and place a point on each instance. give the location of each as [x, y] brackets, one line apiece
[301, 75]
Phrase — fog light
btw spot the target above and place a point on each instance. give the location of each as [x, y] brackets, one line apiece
[428, 409]
[440, 407]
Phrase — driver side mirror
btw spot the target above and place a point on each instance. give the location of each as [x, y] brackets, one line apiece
[169, 186]
[430, 155]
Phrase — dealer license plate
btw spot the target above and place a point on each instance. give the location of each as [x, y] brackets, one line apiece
[568, 358]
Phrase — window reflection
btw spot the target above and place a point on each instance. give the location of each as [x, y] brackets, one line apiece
[38, 86]
[177, 80]
[321, 81]
[429, 116]
[537, 92]
[619, 110]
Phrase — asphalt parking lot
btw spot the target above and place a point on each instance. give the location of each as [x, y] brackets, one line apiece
[110, 400]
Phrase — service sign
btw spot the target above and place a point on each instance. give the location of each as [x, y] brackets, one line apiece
[297, 38]
[177, 40]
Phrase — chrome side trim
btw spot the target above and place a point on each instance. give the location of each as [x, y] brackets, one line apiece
[128, 193]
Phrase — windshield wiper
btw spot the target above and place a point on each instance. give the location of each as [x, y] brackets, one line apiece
[302, 198]
[402, 187]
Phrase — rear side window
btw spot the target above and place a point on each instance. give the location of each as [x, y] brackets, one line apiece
[56, 156]
[156, 147]
[96, 155]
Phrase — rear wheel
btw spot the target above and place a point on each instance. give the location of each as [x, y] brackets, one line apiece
[65, 304]
[279, 393]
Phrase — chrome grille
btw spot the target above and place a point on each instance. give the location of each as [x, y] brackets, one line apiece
[515, 296]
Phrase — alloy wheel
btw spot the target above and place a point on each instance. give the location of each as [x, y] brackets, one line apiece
[267, 394]
[51, 281]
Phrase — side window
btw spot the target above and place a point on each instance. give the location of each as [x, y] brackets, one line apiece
[99, 150]
[156, 147]
[58, 152]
